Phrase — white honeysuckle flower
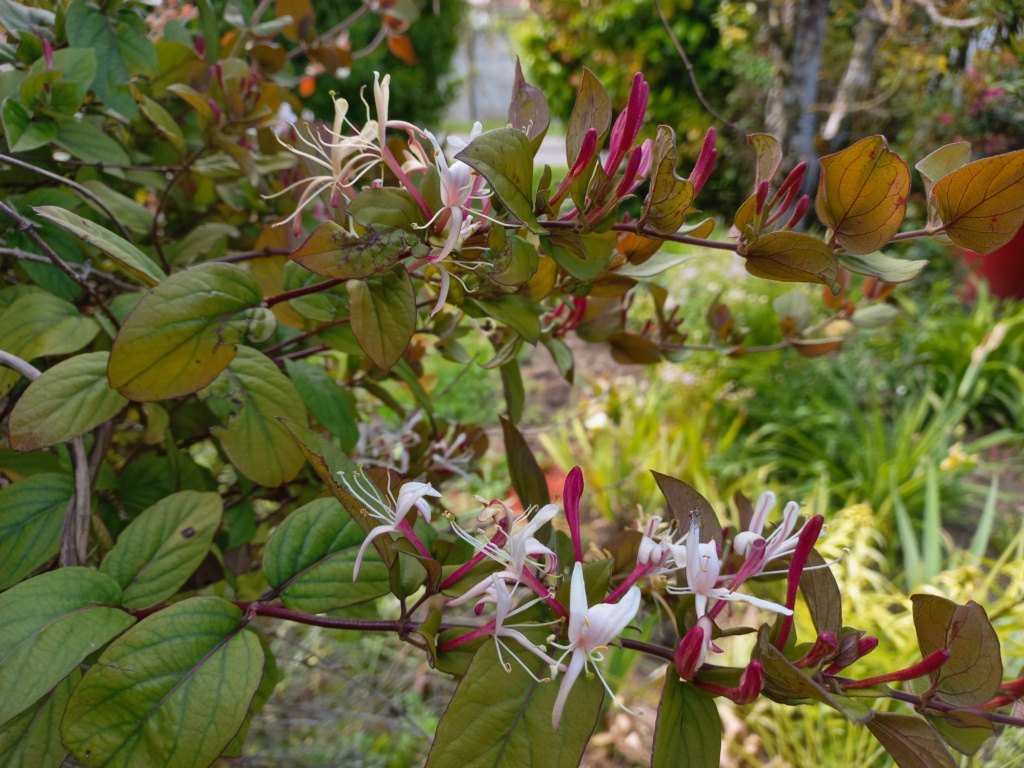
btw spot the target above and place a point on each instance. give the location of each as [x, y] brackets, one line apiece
[591, 630]
[783, 539]
[520, 546]
[702, 569]
[390, 511]
[504, 599]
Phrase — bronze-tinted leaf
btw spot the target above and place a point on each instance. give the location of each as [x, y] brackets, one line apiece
[982, 204]
[593, 109]
[383, 315]
[792, 257]
[769, 156]
[333, 251]
[974, 670]
[630, 349]
[910, 741]
[862, 194]
[683, 500]
[527, 477]
[670, 196]
[815, 347]
[821, 593]
[504, 157]
[528, 112]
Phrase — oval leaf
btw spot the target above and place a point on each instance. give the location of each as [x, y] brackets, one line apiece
[942, 162]
[974, 671]
[683, 500]
[593, 109]
[689, 731]
[66, 401]
[31, 515]
[250, 396]
[527, 477]
[982, 204]
[885, 268]
[910, 741]
[184, 332]
[171, 692]
[670, 196]
[383, 312]
[528, 111]
[502, 719]
[769, 156]
[505, 158]
[50, 624]
[41, 324]
[333, 251]
[862, 194]
[163, 546]
[32, 739]
[310, 559]
[124, 254]
[792, 257]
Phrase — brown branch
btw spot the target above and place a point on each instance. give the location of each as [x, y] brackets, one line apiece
[156, 231]
[83, 273]
[632, 229]
[298, 292]
[334, 31]
[79, 188]
[693, 77]
[26, 226]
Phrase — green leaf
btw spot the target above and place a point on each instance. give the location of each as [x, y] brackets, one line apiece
[517, 258]
[385, 208]
[171, 692]
[120, 52]
[51, 623]
[184, 332]
[24, 134]
[383, 312]
[519, 315]
[40, 324]
[504, 157]
[68, 400]
[655, 265]
[593, 109]
[965, 732]
[670, 196]
[31, 514]
[162, 121]
[78, 67]
[125, 255]
[137, 218]
[87, 141]
[875, 316]
[162, 547]
[862, 194]
[312, 554]
[885, 268]
[333, 251]
[502, 719]
[689, 730]
[527, 477]
[942, 162]
[255, 394]
[512, 385]
[200, 241]
[32, 739]
[272, 675]
[582, 256]
[974, 670]
[910, 741]
[329, 402]
[792, 257]
[683, 500]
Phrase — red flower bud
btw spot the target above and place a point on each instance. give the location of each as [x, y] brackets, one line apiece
[823, 648]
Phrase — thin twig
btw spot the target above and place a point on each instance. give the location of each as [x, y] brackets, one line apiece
[99, 166]
[305, 291]
[84, 273]
[29, 229]
[632, 229]
[261, 253]
[693, 77]
[74, 537]
[334, 31]
[156, 230]
[373, 44]
[79, 188]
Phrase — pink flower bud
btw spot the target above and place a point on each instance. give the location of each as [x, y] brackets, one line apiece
[761, 197]
[572, 492]
[824, 647]
[751, 683]
[705, 161]
[587, 149]
[692, 651]
[629, 175]
[801, 209]
[805, 543]
[795, 178]
[47, 53]
[627, 125]
[933, 662]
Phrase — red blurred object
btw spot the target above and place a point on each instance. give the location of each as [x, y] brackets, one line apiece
[1003, 269]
